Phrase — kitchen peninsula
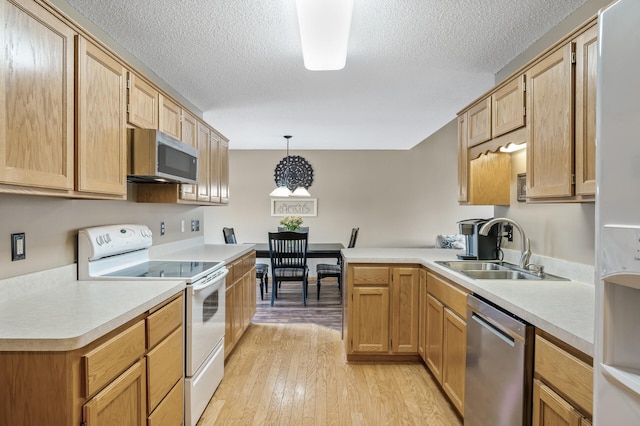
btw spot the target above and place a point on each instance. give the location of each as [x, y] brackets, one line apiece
[400, 305]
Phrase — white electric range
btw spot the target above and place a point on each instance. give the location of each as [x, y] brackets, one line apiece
[117, 252]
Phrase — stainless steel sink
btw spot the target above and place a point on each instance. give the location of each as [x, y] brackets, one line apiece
[501, 275]
[495, 270]
[472, 265]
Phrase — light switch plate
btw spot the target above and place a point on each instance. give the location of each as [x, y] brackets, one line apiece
[18, 249]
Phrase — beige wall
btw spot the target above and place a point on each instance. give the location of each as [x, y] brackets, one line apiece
[563, 230]
[397, 198]
[51, 225]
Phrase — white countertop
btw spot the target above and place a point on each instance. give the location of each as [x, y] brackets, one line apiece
[72, 314]
[564, 309]
[52, 311]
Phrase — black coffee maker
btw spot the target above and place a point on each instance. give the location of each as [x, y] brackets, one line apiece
[479, 247]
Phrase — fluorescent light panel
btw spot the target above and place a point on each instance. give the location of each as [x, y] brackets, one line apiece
[324, 31]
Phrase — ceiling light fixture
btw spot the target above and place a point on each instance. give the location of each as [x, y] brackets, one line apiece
[283, 185]
[324, 32]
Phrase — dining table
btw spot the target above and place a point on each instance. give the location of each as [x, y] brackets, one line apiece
[314, 250]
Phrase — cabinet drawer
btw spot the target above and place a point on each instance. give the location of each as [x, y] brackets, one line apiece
[164, 368]
[163, 322]
[238, 269]
[566, 374]
[171, 409]
[448, 294]
[371, 275]
[105, 362]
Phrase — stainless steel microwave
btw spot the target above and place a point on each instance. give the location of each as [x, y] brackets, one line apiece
[157, 157]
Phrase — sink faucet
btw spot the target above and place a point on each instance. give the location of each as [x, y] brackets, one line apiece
[525, 254]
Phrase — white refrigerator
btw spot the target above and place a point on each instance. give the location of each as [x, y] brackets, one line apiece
[617, 326]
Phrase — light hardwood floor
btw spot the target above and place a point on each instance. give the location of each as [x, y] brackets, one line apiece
[296, 374]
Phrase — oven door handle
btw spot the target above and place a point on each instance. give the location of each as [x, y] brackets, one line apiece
[209, 282]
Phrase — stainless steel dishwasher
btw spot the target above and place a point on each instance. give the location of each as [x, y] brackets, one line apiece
[499, 366]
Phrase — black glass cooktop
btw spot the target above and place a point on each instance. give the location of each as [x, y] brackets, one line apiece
[165, 269]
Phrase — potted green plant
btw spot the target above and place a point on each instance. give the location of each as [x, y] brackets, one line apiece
[292, 223]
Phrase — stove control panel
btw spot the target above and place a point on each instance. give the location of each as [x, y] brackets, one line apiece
[103, 241]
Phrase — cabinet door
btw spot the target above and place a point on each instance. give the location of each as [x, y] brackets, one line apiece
[228, 321]
[586, 76]
[479, 123]
[249, 294]
[101, 142]
[169, 116]
[507, 112]
[369, 313]
[550, 112]
[204, 166]
[463, 159]
[433, 349]
[142, 103]
[549, 409]
[422, 315]
[404, 336]
[238, 302]
[189, 134]
[37, 98]
[215, 168]
[122, 402]
[454, 355]
[224, 171]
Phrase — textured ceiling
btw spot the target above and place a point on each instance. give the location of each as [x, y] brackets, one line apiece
[412, 64]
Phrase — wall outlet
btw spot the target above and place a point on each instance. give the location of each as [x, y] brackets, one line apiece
[18, 248]
[182, 226]
[162, 228]
[197, 225]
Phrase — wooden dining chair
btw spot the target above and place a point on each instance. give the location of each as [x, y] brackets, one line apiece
[262, 269]
[326, 270]
[288, 253]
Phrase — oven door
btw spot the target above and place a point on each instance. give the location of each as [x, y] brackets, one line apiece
[205, 319]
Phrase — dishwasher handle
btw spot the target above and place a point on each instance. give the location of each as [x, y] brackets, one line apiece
[493, 329]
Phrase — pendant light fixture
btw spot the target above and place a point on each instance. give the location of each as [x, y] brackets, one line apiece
[284, 183]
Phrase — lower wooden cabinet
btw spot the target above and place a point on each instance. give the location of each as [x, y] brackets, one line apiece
[123, 401]
[550, 409]
[444, 313]
[119, 379]
[383, 310]
[563, 385]
[240, 299]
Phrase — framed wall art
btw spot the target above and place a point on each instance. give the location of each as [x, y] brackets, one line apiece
[294, 207]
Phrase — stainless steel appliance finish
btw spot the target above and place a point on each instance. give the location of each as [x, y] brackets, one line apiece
[499, 367]
[479, 246]
[158, 157]
[497, 270]
[120, 252]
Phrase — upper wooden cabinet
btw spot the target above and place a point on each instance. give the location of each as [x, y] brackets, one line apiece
[224, 171]
[204, 162]
[101, 132]
[169, 117]
[142, 103]
[463, 160]
[561, 163]
[507, 107]
[37, 116]
[215, 168]
[479, 122]
[550, 125]
[586, 77]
